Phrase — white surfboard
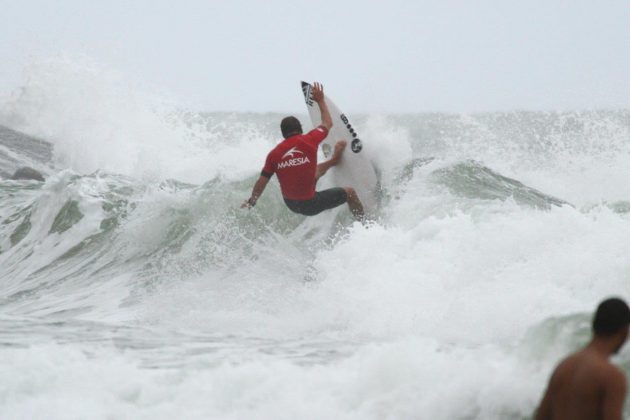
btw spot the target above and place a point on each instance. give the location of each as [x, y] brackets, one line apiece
[355, 168]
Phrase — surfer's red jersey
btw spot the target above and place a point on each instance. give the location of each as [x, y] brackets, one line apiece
[295, 162]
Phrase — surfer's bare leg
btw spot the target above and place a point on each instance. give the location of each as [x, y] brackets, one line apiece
[323, 167]
[356, 208]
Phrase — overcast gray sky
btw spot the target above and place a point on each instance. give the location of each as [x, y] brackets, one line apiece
[372, 56]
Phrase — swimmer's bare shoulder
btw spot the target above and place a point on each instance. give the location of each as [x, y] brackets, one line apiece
[584, 386]
[615, 392]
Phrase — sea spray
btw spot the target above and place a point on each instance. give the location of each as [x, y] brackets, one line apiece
[133, 285]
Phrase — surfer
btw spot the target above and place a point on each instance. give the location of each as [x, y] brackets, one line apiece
[294, 160]
[586, 385]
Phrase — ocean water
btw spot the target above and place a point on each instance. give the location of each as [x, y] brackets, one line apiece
[133, 286]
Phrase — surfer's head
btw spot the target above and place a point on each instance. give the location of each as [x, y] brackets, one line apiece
[290, 126]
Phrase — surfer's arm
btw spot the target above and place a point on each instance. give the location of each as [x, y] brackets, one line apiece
[257, 191]
[318, 96]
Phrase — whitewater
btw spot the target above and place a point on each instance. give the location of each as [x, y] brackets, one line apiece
[133, 286]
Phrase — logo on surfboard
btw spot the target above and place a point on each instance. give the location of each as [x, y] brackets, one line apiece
[306, 89]
[356, 146]
[327, 149]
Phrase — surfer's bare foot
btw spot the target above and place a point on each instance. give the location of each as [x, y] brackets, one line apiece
[355, 205]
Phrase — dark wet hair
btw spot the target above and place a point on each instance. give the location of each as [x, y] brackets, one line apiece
[290, 126]
[612, 315]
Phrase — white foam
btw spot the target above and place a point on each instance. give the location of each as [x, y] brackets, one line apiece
[398, 380]
[97, 120]
[426, 313]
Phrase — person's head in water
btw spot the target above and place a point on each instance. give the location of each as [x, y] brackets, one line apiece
[290, 126]
[612, 320]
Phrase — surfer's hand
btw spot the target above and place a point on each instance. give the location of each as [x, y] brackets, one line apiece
[340, 145]
[248, 204]
[339, 148]
[318, 92]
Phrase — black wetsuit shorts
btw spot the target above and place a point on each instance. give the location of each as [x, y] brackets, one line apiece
[323, 200]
